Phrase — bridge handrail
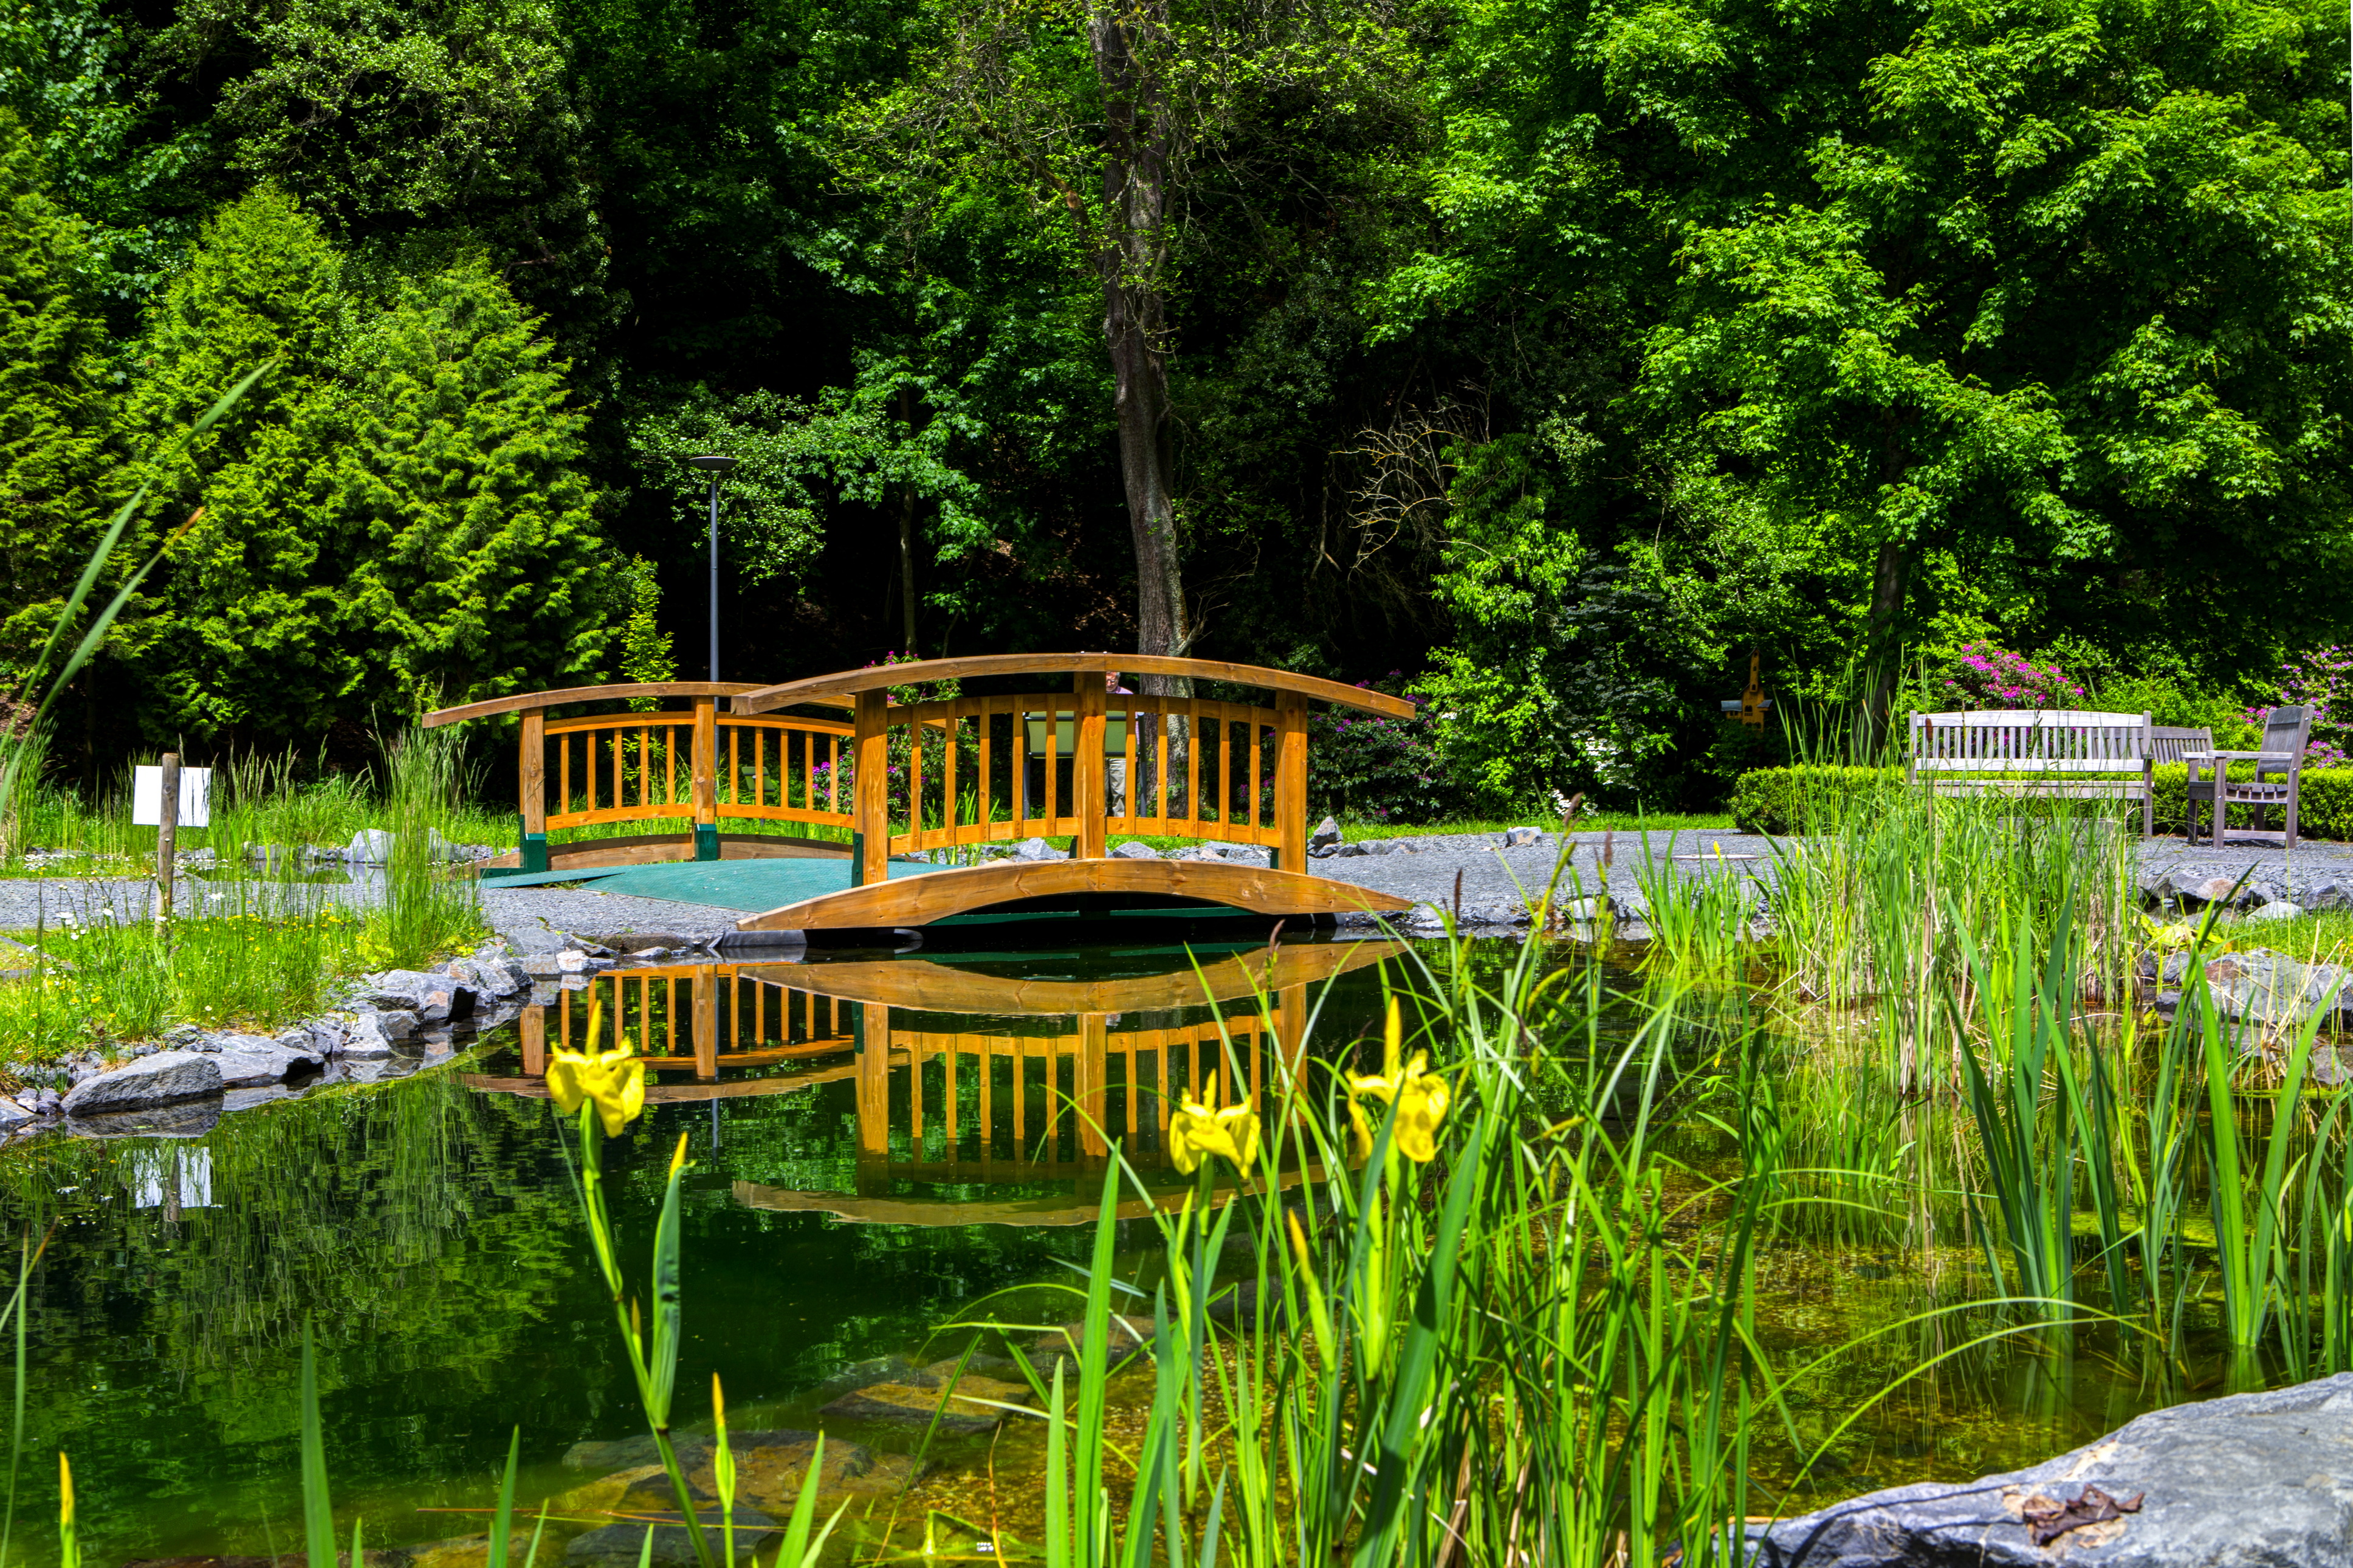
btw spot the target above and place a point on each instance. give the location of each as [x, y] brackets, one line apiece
[881, 677]
[527, 702]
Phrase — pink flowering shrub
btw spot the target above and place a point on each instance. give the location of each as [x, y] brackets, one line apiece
[1992, 677]
[2323, 680]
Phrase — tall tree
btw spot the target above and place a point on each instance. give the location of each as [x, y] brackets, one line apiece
[394, 515]
[236, 636]
[2044, 302]
[55, 415]
[476, 569]
[1105, 113]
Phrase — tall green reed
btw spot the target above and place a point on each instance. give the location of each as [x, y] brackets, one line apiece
[427, 908]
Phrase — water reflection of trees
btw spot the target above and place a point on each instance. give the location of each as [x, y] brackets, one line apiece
[416, 1224]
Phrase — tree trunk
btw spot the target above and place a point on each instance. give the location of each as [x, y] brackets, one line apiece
[1132, 258]
[1884, 649]
[907, 535]
[907, 566]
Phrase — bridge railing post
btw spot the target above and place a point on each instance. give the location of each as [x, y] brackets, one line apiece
[870, 819]
[706, 778]
[530, 852]
[1291, 781]
[1091, 801]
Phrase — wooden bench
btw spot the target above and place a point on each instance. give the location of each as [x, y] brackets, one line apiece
[2054, 753]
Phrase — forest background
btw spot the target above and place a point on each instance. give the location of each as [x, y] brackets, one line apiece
[1545, 358]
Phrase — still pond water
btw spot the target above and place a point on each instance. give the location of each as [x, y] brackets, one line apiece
[428, 1231]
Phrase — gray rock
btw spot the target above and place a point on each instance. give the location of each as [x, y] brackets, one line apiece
[368, 1037]
[1136, 850]
[15, 1113]
[2331, 893]
[249, 1061]
[165, 1078]
[188, 1118]
[2277, 909]
[2265, 987]
[623, 1544]
[1038, 849]
[543, 966]
[1515, 838]
[571, 961]
[541, 937]
[1326, 839]
[2255, 1480]
[434, 999]
[369, 846]
[489, 976]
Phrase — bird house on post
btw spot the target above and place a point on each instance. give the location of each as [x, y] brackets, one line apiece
[1749, 709]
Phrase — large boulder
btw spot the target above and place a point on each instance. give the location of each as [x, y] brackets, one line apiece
[166, 1078]
[434, 999]
[2265, 987]
[2256, 1481]
[250, 1062]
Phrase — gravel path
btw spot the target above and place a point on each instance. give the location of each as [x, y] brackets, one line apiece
[1493, 881]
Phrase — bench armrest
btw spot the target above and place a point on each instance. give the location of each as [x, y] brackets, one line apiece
[2258, 756]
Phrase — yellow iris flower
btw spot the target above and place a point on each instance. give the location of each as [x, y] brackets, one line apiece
[1420, 1095]
[611, 1079]
[1198, 1129]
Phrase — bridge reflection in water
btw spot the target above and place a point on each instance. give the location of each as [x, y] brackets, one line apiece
[1016, 1070]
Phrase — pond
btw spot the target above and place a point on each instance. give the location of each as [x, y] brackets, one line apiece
[880, 1146]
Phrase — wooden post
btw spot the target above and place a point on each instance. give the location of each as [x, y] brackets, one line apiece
[1090, 800]
[534, 1040]
[1290, 780]
[531, 854]
[1093, 1071]
[870, 813]
[706, 1023]
[706, 778]
[167, 833]
[873, 1079]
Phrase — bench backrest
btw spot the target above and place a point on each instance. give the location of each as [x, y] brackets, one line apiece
[2031, 740]
[2168, 744]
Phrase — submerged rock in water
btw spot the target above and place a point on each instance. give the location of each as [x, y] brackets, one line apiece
[623, 1543]
[969, 1405]
[623, 1453]
[2265, 987]
[168, 1077]
[2256, 1480]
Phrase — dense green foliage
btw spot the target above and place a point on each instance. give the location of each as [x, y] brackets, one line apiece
[1560, 353]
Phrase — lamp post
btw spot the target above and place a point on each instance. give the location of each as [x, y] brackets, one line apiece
[716, 466]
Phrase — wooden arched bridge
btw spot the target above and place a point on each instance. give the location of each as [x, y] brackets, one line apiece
[895, 793]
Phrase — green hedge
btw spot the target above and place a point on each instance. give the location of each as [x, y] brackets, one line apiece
[1775, 800]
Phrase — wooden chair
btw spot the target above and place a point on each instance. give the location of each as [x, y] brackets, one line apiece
[2279, 768]
[2190, 748]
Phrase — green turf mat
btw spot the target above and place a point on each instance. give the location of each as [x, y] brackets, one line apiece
[751, 885]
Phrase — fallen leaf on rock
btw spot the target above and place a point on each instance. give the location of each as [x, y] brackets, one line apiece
[2047, 1519]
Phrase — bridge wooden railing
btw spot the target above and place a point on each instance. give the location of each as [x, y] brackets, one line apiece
[697, 763]
[966, 770]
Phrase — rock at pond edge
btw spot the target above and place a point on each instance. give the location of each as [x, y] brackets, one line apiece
[2252, 1480]
[165, 1078]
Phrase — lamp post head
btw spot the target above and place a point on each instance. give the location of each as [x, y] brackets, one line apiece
[715, 463]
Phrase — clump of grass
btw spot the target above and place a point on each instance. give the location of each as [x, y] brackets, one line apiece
[236, 961]
[428, 907]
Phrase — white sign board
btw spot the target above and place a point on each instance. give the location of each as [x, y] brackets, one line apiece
[147, 797]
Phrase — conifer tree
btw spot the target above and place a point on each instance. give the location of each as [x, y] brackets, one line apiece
[54, 413]
[238, 636]
[476, 567]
